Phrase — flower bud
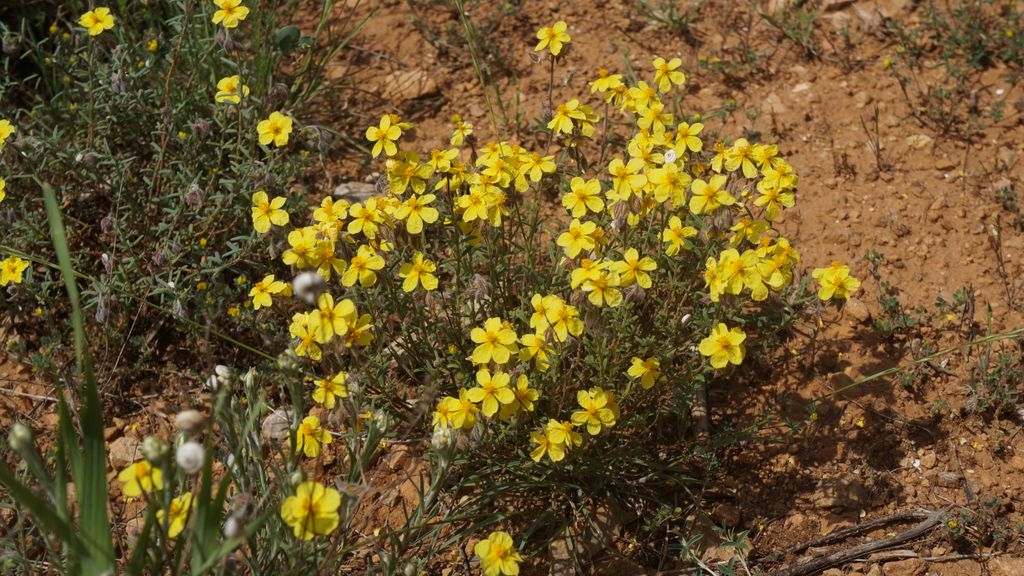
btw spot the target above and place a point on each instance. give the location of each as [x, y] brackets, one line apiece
[307, 286]
[190, 421]
[297, 477]
[233, 528]
[190, 456]
[20, 437]
[154, 450]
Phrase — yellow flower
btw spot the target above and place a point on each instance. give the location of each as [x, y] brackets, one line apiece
[741, 157]
[178, 514]
[553, 38]
[604, 289]
[362, 267]
[231, 89]
[835, 282]
[360, 331]
[670, 181]
[331, 318]
[266, 212]
[665, 74]
[3, 192]
[328, 391]
[262, 290]
[306, 327]
[384, 136]
[554, 450]
[724, 346]
[498, 555]
[230, 14]
[598, 410]
[97, 20]
[563, 319]
[564, 114]
[11, 269]
[535, 347]
[418, 272]
[563, 432]
[6, 129]
[491, 391]
[139, 478]
[152, 45]
[312, 511]
[274, 129]
[676, 236]
[632, 268]
[648, 371]
[686, 134]
[605, 81]
[711, 195]
[461, 411]
[583, 195]
[495, 342]
[524, 398]
[461, 131]
[627, 178]
[310, 437]
[579, 237]
[416, 210]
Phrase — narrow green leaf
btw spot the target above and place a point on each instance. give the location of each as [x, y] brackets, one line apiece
[90, 476]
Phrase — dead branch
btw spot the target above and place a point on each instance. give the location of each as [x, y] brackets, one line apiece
[845, 533]
[822, 562]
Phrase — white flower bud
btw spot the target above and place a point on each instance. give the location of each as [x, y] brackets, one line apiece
[670, 155]
[20, 437]
[190, 456]
[307, 286]
[233, 528]
[189, 421]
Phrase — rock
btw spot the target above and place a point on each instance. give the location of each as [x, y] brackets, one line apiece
[276, 426]
[832, 6]
[560, 558]
[832, 572]
[919, 141]
[619, 566]
[124, 451]
[948, 479]
[408, 85]
[802, 87]
[1002, 184]
[839, 20]
[1006, 158]
[1005, 566]
[727, 514]
[1017, 462]
[355, 191]
[716, 555]
[935, 209]
[774, 104]
[928, 460]
[908, 567]
[874, 570]
[858, 309]
[862, 99]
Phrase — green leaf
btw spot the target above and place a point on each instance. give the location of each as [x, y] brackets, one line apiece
[287, 39]
[89, 469]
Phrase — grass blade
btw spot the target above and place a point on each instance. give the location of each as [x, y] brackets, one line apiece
[90, 474]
